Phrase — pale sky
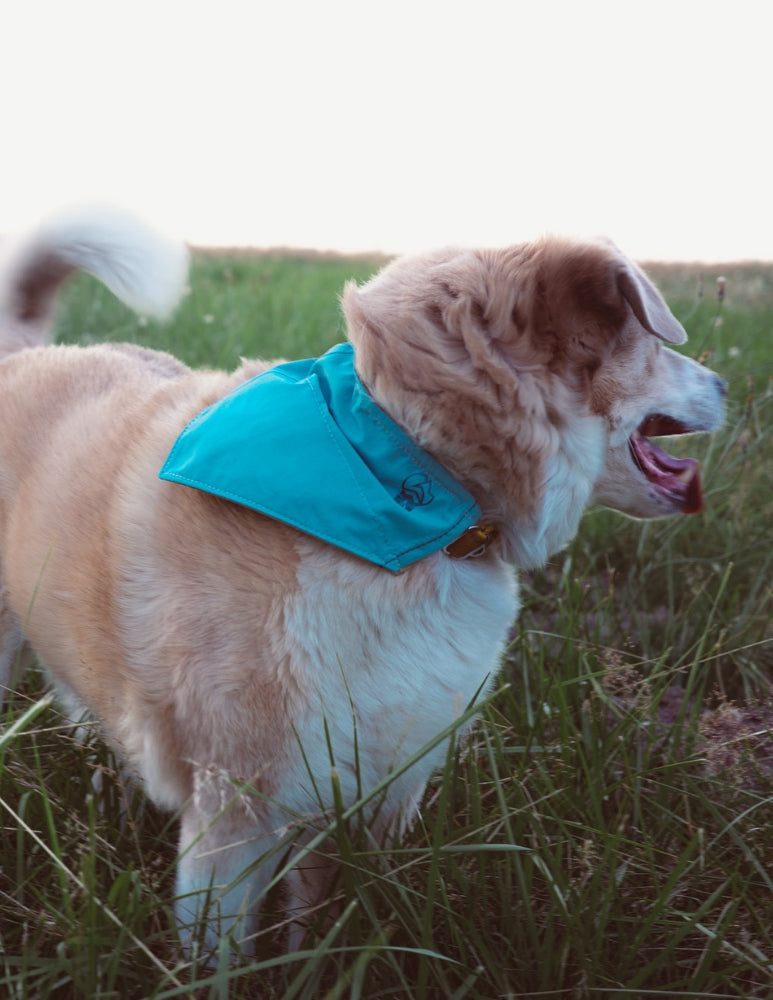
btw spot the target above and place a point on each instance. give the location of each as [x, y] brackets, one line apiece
[398, 124]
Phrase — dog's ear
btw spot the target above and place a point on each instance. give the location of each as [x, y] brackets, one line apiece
[647, 304]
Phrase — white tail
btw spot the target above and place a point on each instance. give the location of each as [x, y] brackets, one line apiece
[145, 270]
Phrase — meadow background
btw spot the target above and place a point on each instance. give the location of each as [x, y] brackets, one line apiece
[605, 832]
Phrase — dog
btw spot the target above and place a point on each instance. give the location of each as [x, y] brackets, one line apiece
[236, 659]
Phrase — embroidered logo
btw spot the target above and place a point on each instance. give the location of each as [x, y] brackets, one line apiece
[415, 491]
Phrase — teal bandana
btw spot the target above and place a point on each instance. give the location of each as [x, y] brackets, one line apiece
[304, 443]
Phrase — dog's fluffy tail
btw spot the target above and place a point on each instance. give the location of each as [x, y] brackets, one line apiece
[145, 270]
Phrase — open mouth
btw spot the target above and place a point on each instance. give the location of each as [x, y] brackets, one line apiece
[677, 479]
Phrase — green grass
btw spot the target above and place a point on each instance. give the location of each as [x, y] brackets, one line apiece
[606, 831]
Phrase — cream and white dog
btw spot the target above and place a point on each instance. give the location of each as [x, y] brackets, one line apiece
[237, 662]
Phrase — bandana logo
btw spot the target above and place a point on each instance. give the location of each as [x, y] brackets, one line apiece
[415, 491]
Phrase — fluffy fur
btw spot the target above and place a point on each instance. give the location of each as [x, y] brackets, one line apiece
[232, 659]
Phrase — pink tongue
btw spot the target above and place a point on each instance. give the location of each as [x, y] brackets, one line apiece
[667, 473]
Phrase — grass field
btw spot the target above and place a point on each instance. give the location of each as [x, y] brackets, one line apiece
[606, 832]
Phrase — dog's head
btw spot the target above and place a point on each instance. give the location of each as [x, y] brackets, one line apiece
[538, 376]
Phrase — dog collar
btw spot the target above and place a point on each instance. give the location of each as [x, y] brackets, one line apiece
[305, 443]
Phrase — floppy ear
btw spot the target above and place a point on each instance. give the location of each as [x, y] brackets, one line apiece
[648, 306]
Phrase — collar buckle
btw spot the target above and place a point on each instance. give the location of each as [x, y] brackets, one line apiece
[473, 543]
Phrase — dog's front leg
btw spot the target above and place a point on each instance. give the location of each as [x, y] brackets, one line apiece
[309, 884]
[13, 654]
[220, 880]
